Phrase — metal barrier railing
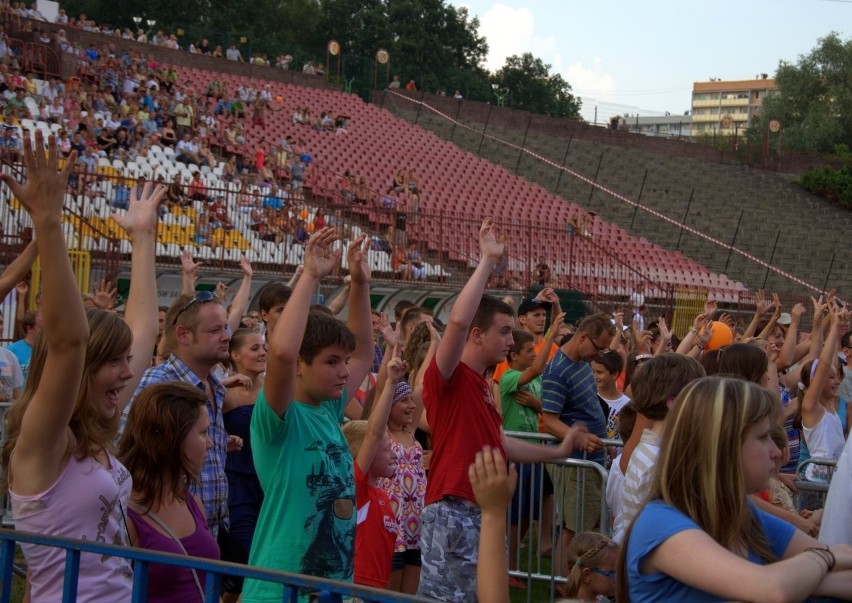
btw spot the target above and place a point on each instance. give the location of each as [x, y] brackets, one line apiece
[326, 590]
[537, 569]
[812, 493]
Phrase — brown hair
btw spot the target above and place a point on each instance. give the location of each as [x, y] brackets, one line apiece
[657, 382]
[152, 444]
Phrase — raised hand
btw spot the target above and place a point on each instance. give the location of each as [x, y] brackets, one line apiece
[221, 291]
[619, 323]
[556, 323]
[548, 294]
[820, 309]
[489, 246]
[245, 266]
[797, 312]
[728, 320]
[104, 295]
[700, 321]
[776, 306]
[390, 335]
[434, 336]
[397, 367]
[320, 258]
[44, 192]
[665, 333]
[762, 304]
[711, 305]
[187, 264]
[141, 215]
[22, 288]
[359, 261]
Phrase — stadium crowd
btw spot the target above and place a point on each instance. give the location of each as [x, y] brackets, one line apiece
[376, 450]
[267, 476]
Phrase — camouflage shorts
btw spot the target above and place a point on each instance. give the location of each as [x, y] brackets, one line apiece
[449, 543]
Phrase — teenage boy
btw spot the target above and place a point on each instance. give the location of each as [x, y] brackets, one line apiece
[655, 385]
[307, 521]
[520, 397]
[464, 418]
[370, 445]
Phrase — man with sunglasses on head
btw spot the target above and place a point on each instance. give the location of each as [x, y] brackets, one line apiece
[197, 337]
[570, 395]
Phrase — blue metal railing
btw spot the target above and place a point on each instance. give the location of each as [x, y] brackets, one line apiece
[328, 591]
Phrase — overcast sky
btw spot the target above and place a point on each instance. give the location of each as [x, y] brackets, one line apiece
[644, 56]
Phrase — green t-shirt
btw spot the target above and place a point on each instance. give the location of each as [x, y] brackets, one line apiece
[517, 417]
[304, 467]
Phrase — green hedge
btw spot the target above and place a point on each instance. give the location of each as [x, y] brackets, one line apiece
[834, 185]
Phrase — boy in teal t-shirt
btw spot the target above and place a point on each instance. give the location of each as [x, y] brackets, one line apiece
[307, 521]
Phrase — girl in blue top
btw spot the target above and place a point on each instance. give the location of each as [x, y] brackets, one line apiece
[698, 539]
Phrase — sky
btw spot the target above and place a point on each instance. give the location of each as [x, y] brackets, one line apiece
[643, 57]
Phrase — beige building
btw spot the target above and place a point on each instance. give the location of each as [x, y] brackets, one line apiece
[726, 107]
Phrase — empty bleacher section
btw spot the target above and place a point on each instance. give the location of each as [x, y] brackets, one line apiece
[757, 211]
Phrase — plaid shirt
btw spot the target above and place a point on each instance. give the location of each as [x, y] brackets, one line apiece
[212, 488]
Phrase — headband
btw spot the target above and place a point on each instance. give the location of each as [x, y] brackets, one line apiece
[402, 390]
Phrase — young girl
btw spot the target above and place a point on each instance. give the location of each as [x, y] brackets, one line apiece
[592, 558]
[248, 360]
[62, 478]
[163, 446]
[698, 539]
[821, 423]
[407, 488]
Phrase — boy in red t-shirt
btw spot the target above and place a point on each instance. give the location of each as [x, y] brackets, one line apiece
[369, 442]
[463, 417]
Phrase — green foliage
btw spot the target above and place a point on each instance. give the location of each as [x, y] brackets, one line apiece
[834, 185]
[814, 101]
[532, 87]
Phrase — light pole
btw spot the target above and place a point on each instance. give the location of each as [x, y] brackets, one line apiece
[501, 94]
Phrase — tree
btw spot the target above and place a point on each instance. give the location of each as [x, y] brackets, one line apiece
[814, 98]
[532, 87]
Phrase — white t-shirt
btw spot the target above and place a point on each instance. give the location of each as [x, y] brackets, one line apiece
[637, 480]
[614, 494]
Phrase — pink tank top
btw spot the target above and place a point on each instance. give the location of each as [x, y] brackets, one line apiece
[87, 502]
[169, 583]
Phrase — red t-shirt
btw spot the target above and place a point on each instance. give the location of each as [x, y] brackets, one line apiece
[463, 419]
[375, 534]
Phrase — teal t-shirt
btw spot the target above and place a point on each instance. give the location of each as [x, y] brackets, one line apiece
[23, 351]
[307, 521]
[517, 417]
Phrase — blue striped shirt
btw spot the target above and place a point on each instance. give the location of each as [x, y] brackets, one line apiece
[212, 488]
[568, 389]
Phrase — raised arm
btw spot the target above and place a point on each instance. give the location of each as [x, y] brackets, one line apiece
[359, 321]
[761, 307]
[189, 274]
[773, 320]
[492, 487]
[239, 304]
[285, 340]
[812, 410]
[378, 421]
[419, 417]
[43, 438]
[537, 367]
[17, 269]
[339, 302]
[450, 351]
[785, 356]
[141, 310]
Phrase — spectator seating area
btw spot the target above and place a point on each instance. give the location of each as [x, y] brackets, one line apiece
[457, 190]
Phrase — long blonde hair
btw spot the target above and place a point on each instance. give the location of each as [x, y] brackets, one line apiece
[699, 471]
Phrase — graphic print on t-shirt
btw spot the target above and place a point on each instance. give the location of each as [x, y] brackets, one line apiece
[331, 529]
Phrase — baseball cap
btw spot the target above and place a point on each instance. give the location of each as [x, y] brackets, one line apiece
[785, 319]
[532, 303]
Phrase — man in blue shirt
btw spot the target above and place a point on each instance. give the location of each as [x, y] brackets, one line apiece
[569, 394]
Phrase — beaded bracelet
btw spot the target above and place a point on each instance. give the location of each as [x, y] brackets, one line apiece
[825, 554]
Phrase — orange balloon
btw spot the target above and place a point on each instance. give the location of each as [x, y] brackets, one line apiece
[279, 99]
[722, 336]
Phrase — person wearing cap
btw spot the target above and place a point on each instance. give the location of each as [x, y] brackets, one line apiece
[532, 318]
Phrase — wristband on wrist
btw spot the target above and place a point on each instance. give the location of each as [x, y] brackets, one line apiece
[825, 554]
